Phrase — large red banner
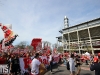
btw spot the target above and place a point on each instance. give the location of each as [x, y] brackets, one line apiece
[36, 43]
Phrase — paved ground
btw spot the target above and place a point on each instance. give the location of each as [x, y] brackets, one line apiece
[63, 71]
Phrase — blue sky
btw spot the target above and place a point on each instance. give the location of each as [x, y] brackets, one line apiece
[44, 18]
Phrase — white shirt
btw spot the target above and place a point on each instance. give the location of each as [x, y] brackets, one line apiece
[50, 58]
[35, 66]
[72, 65]
[32, 57]
[21, 64]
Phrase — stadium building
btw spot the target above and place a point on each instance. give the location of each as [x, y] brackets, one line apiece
[83, 37]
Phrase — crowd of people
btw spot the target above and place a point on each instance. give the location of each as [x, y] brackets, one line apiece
[75, 61]
[26, 63]
[30, 63]
[15, 62]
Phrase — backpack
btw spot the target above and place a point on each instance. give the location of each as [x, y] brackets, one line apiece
[68, 66]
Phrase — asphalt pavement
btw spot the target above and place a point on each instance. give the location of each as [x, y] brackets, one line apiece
[62, 70]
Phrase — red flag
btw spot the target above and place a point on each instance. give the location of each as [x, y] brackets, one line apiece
[35, 42]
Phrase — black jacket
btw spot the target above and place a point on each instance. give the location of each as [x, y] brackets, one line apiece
[96, 67]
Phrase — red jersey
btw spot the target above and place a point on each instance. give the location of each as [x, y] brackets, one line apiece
[26, 62]
[2, 60]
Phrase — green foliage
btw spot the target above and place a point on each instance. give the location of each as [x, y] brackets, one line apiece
[21, 45]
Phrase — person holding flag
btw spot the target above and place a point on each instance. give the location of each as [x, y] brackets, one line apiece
[9, 35]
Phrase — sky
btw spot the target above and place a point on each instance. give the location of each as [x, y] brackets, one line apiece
[44, 18]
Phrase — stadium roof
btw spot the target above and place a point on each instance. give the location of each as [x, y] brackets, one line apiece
[82, 29]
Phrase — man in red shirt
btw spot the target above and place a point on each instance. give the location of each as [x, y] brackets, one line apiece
[26, 62]
[2, 59]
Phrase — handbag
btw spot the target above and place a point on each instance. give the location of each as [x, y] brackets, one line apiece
[42, 71]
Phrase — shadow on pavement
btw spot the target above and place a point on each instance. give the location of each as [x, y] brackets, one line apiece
[57, 71]
[87, 74]
[55, 66]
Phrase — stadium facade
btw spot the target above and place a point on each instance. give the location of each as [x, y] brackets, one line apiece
[81, 37]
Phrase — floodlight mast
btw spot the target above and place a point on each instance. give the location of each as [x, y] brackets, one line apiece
[66, 22]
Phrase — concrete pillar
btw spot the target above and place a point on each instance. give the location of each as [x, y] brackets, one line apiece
[78, 42]
[69, 42]
[90, 41]
[62, 42]
[57, 43]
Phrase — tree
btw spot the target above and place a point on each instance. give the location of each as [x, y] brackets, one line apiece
[46, 43]
[21, 45]
[29, 47]
[59, 48]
